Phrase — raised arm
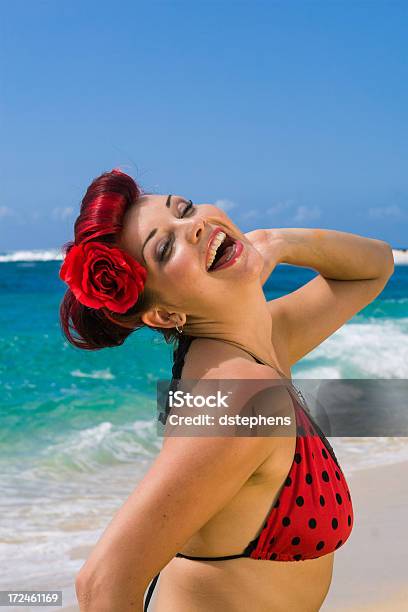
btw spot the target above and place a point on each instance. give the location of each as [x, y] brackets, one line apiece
[352, 269]
[190, 481]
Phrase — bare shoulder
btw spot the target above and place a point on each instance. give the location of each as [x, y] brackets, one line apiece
[208, 358]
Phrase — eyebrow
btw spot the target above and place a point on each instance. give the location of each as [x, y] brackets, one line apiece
[152, 233]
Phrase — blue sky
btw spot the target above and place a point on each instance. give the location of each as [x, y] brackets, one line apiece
[289, 114]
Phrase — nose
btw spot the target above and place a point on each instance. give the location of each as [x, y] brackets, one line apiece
[196, 230]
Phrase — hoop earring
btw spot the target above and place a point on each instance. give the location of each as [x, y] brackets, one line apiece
[180, 331]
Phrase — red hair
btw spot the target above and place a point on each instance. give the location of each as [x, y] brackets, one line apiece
[101, 216]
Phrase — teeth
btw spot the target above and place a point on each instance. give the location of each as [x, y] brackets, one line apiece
[219, 239]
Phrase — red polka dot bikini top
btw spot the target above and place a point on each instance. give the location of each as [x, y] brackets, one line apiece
[313, 514]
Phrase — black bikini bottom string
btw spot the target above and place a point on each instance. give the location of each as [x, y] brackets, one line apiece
[150, 592]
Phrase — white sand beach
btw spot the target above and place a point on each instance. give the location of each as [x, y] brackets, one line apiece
[370, 570]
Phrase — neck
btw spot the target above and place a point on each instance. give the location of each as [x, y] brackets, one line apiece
[247, 323]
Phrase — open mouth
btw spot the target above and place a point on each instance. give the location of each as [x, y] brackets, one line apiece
[221, 251]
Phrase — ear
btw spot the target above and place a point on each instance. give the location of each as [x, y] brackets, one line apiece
[158, 317]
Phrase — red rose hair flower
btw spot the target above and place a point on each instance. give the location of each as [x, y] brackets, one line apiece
[103, 276]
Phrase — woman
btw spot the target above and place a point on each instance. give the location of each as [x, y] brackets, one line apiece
[232, 523]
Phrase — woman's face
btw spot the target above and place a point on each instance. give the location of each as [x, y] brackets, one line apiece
[171, 238]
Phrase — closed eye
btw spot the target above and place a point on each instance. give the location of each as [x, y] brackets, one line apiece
[164, 248]
[187, 208]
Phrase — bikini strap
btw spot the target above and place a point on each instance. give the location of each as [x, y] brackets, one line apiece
[274, 367]
[179, 354]
[225, 558]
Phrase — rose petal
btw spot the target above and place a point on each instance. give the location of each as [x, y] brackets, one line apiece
[101, 275]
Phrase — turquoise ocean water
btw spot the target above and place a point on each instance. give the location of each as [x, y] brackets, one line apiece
[78, 431]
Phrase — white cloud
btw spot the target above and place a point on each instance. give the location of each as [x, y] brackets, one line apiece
[250, 214]
[6, 211]
[279, 207]
[62, 213]
[381, 212]
[225, 204]
[306, 213]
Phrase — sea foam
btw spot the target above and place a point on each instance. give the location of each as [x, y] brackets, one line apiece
[55, 254]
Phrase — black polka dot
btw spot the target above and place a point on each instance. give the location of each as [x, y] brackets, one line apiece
[288, 481]
[324, 453]
[273, 556]
[312, 523]
[265, 525]
[286, 521]
[300, 501]
[298, 457]
[337, 475]
[308, 478]
[319, 545]
[295, 541]
[276, 504]
[322, 500]
[335, 523]
[297, 557]
[325, 476]
[272, 541]
[313, 455]
[339, 543]
[339, 499]
[259, 557]
[349, 520]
